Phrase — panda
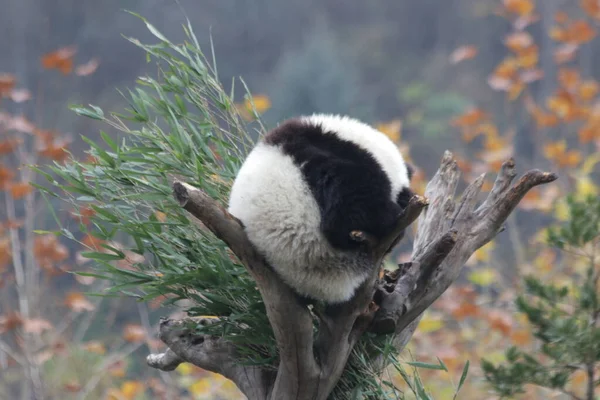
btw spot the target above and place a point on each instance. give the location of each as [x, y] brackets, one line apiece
[306, 186]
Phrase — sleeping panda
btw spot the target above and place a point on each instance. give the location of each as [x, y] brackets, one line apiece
[306, 186]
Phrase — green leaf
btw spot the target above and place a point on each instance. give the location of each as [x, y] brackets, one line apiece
[95, 113]
[424, 365]
[94, 255]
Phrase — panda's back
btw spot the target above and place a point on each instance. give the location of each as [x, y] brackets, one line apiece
[279, 197]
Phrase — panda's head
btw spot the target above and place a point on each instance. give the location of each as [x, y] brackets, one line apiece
[356, 174]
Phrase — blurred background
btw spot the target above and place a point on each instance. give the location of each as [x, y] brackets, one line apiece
[485, 79]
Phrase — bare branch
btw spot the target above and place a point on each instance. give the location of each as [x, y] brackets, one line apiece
[210, 353]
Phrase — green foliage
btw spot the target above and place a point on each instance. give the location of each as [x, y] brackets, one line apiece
[428, 111]
[565, 321]
[181, 124]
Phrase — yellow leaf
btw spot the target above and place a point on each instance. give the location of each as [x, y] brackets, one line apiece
[261, 103]
[392, 129]
[589, 163]
[185, 369]
[585, 187]
[483, 276]
[130, 389]
[561, 211]
[430, 323]
[201, 387]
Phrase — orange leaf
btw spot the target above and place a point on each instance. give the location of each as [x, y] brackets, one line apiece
[561, 17]
[591, 7]
[7, 83]
[565, 53]
[10, 321]
[463, 53]
[20, 189]
[77, 302]
[5, 252]
[519, 7]
[92, 241]
[568, 78]
[49, 251]
[522, 337]
[553, 150]
[61, 59]
[518, 41]
[465, 310]
[134, 333]
[579, 31]
[500, 320]
[469, 118]
[88, 68]
[9, 145]
[528, 57]
[6, 176]
[95, 346]
[515, 90]
[588, 90]
[55, 151]
[589, 133]
[562, 104]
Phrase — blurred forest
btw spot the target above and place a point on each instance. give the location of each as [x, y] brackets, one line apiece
[486, 79]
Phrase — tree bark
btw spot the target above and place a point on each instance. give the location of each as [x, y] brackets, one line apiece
[449, 232]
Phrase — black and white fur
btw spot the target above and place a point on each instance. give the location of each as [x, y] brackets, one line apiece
[309, 183]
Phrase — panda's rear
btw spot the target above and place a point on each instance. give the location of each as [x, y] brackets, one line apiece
[309, 183]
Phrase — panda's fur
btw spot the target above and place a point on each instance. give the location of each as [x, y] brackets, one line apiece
[305, 186]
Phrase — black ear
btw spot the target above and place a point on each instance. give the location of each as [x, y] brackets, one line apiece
[404, 197]
[410, 169]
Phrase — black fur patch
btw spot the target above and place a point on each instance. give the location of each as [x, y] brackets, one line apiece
[351, 189]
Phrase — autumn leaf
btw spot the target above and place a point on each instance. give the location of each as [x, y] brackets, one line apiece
[19, 95]
[9, 145]
[21, 124]
[7, 83]
[392, 129]
[77, 302]
[568, 78]
[261, 103]
[588, 90]
[500, 320]
[518, 41]
[591, 8]
[431, 322]
[6, 176]
[565, 53]
[483, 276]
[519, 7]
[471, 117]
[56, 151]
[61, 59]
[134, 333]
[463, 53]
[20, 189]
[48, 251]
[88, 68]
[10, 321]
[95, 346]
[36, 326]
[577, 32]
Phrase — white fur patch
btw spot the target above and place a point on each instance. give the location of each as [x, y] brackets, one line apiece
[370, 139]
[282, 220]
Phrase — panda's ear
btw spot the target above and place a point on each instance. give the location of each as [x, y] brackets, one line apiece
[410, 170]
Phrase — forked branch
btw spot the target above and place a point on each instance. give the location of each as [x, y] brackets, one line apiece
[449, 232]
